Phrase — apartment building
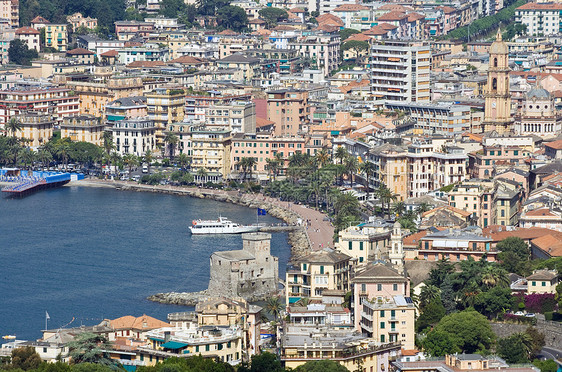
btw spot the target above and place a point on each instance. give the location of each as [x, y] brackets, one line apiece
[225, 344]
[430, 119]
[126, 30]
[249, 67]
[456, 245]
[326, 269]
[165, 106]
[365, 242]
[430, 169]
[353, 14]
[30, 36]
[56, 36]
[237, 117]
[209, 150]
[55, 101]
[36, 127]
[495, 159]
[149, 53]
[83, 128]
[391, 164]
[400, 71]
[323, 50]
[541, 18]
[382, 306]
[9, 9]
[508, 198]
[126, 108]
[476, 197]
[289, 110]
[96, 93]
[542, 281]
[77, 20]
[134, 136]
[303, 343]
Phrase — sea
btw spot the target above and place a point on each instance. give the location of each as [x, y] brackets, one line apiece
[84, 254]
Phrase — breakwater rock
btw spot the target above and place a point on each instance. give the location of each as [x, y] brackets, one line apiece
[192, 298]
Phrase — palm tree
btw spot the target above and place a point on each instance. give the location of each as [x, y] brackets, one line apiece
[13, 126]
[272, 166]
[493, 275]
[280, 161]
[368, 169]
[322, 157]
[385, 196]
[250, 164]
[171, 141]
[62, 149]
[108, 146]
[44, 156]
[423, 207]
[183, 161]
[274, 306]
[131, 161]
[351, 166]
[28, 157]
[399, 208]
[202, 173]
[341, 154]
[428, 294]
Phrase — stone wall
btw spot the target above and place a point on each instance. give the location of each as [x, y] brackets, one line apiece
[552, 331]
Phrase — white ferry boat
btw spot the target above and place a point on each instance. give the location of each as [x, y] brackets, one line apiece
[220, 226]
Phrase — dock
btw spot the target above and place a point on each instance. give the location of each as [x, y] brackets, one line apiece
[23, 183]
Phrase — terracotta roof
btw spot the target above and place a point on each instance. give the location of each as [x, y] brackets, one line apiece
[358, 37]
[498, 233]
[188, 60]
[284, 28]
[27, 31]
[397, 7]
[387, 26]
[557, 145]
[110, 53]
[379, 272]
[447, 9]
[262, 32]
[256, 21]
[541, 212]
[228, 32]
[327, 28]
[392, 16]
[261, 122]
[541, 6]
[141, 64]
[414, 239]
[143, 322]
[39, 19]
[415, 16]
[376, 31]
[297, 10]
[326, 255]
[447, 207]
[354, 84]
[329, 19]
[79, 52]
[350, 8]
[551, 244]
[409, 352]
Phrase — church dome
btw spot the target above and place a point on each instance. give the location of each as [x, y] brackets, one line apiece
[538, 93]
[498, 46]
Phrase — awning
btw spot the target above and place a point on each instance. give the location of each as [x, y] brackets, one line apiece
[292, 300]
[174, 345]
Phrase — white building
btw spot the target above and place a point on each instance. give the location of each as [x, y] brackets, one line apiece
[323, 50]
[134, 136]
[540, 18]
[400, 71]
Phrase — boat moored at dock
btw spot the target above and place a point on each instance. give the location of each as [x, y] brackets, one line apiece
[220, 226]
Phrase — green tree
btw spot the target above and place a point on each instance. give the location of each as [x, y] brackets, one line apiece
[130, 161]
[514, 255]
[346, 33]
[274, 306]
[431, 315]
[351, 166]
[232, 17]
[428, 294]
[171, 141]
[325, 365]
[512, 349]
[264, 362]
[272, 16]
[20, 54]
[171, 8]
[89, 348]
[25, 358]
[368, 169]
[469, 332]
[13, 126]
[202, 175]
[546, 365]
[439, 343]
[385, 196]
[356, 46]
[183, 161]
[494, 301]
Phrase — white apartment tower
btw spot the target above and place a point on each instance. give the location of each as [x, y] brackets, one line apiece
[400, 71]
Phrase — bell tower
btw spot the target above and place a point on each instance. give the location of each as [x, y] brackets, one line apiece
[497, 108]
[396, 253]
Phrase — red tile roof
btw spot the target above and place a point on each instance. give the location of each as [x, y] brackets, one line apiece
[350, 8]
[39, 20]
[188, 60]
[79, 52]
[392, 16]
[557, 145]
[358, 37]
[541, 6]
[228, 32]
[110, 53]
[27, 31]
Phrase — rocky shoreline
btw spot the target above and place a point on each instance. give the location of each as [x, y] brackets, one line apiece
[298, 240]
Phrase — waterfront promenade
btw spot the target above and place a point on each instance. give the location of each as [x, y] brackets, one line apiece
[319, 231]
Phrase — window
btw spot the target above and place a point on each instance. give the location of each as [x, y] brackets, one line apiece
[321, 269]
[392, 313]
[360, 246]
[363, 287]
[395, 287]
[382, 315]
[350, 245]
[544, 284]
[207, 347]
[197, 348]
[360, 259]
[534, 284]
[379, 287]
[382, 338]
[382, 325]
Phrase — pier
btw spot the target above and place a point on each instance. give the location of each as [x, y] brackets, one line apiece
[23, 183]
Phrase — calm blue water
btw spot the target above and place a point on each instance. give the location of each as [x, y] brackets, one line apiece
[94, 253]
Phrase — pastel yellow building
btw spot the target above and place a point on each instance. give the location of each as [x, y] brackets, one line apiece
[364, 241]
[83, 128]
[36, 127]
[165, 106]
[56, 36]
[542, 281]
[209, 150]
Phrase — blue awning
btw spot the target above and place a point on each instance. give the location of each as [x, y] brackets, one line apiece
[174, 345]
[292, 300]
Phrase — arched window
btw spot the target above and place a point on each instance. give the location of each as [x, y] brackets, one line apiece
[494, 84]
[495, 62]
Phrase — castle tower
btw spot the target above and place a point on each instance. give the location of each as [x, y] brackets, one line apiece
[497, 109]
[396, 253]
